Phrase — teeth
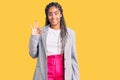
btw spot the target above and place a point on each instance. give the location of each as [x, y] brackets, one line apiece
[54, 20]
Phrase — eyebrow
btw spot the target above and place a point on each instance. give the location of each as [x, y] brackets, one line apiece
[55, 11]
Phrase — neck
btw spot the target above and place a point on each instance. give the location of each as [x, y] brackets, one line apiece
[55, 27]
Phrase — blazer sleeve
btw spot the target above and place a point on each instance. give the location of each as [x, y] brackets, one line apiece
[33, 46]
[75, 68]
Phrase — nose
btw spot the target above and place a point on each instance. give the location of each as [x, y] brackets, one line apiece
[53, 16]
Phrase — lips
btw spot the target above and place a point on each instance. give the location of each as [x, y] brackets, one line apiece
[53, 21]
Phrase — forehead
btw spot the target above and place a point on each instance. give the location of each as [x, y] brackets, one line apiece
[53, 9]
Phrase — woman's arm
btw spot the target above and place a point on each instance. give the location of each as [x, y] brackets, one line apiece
[34, 39]
[75, 68]
[33, 46]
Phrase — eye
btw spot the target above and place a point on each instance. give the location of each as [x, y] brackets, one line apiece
[56, 13]
[49, 14]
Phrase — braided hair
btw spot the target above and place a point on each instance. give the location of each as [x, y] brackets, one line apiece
[63, 33]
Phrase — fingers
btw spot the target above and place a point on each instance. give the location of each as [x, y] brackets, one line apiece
[39, 28]
[36, 24]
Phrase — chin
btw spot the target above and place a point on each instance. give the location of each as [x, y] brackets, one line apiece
[53, 24]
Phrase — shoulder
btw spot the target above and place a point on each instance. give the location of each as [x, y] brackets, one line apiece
[70, 31]
[45, 28]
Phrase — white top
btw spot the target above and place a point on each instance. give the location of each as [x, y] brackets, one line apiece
[53, 43]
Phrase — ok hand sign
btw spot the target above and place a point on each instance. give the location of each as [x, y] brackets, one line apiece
[35, 29]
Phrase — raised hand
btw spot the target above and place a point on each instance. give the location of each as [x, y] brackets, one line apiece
[35, 29]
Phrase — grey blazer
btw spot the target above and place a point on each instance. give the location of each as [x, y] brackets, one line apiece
[37, 48]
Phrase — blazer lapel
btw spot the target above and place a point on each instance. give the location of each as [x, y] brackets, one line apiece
[44, 36]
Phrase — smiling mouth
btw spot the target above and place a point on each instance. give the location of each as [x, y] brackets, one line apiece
[53, 20]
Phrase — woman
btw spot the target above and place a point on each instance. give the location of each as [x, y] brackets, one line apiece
[54, 47]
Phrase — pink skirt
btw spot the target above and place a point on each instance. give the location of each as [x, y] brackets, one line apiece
[55, 67]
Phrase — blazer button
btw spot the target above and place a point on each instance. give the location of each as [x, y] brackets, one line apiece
[64, 68]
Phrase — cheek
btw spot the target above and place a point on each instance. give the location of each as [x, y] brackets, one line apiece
[49, 17]
[58, 17]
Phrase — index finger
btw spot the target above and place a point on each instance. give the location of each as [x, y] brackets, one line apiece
[36, 24]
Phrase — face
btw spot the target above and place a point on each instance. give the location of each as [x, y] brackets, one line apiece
[54, 16]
